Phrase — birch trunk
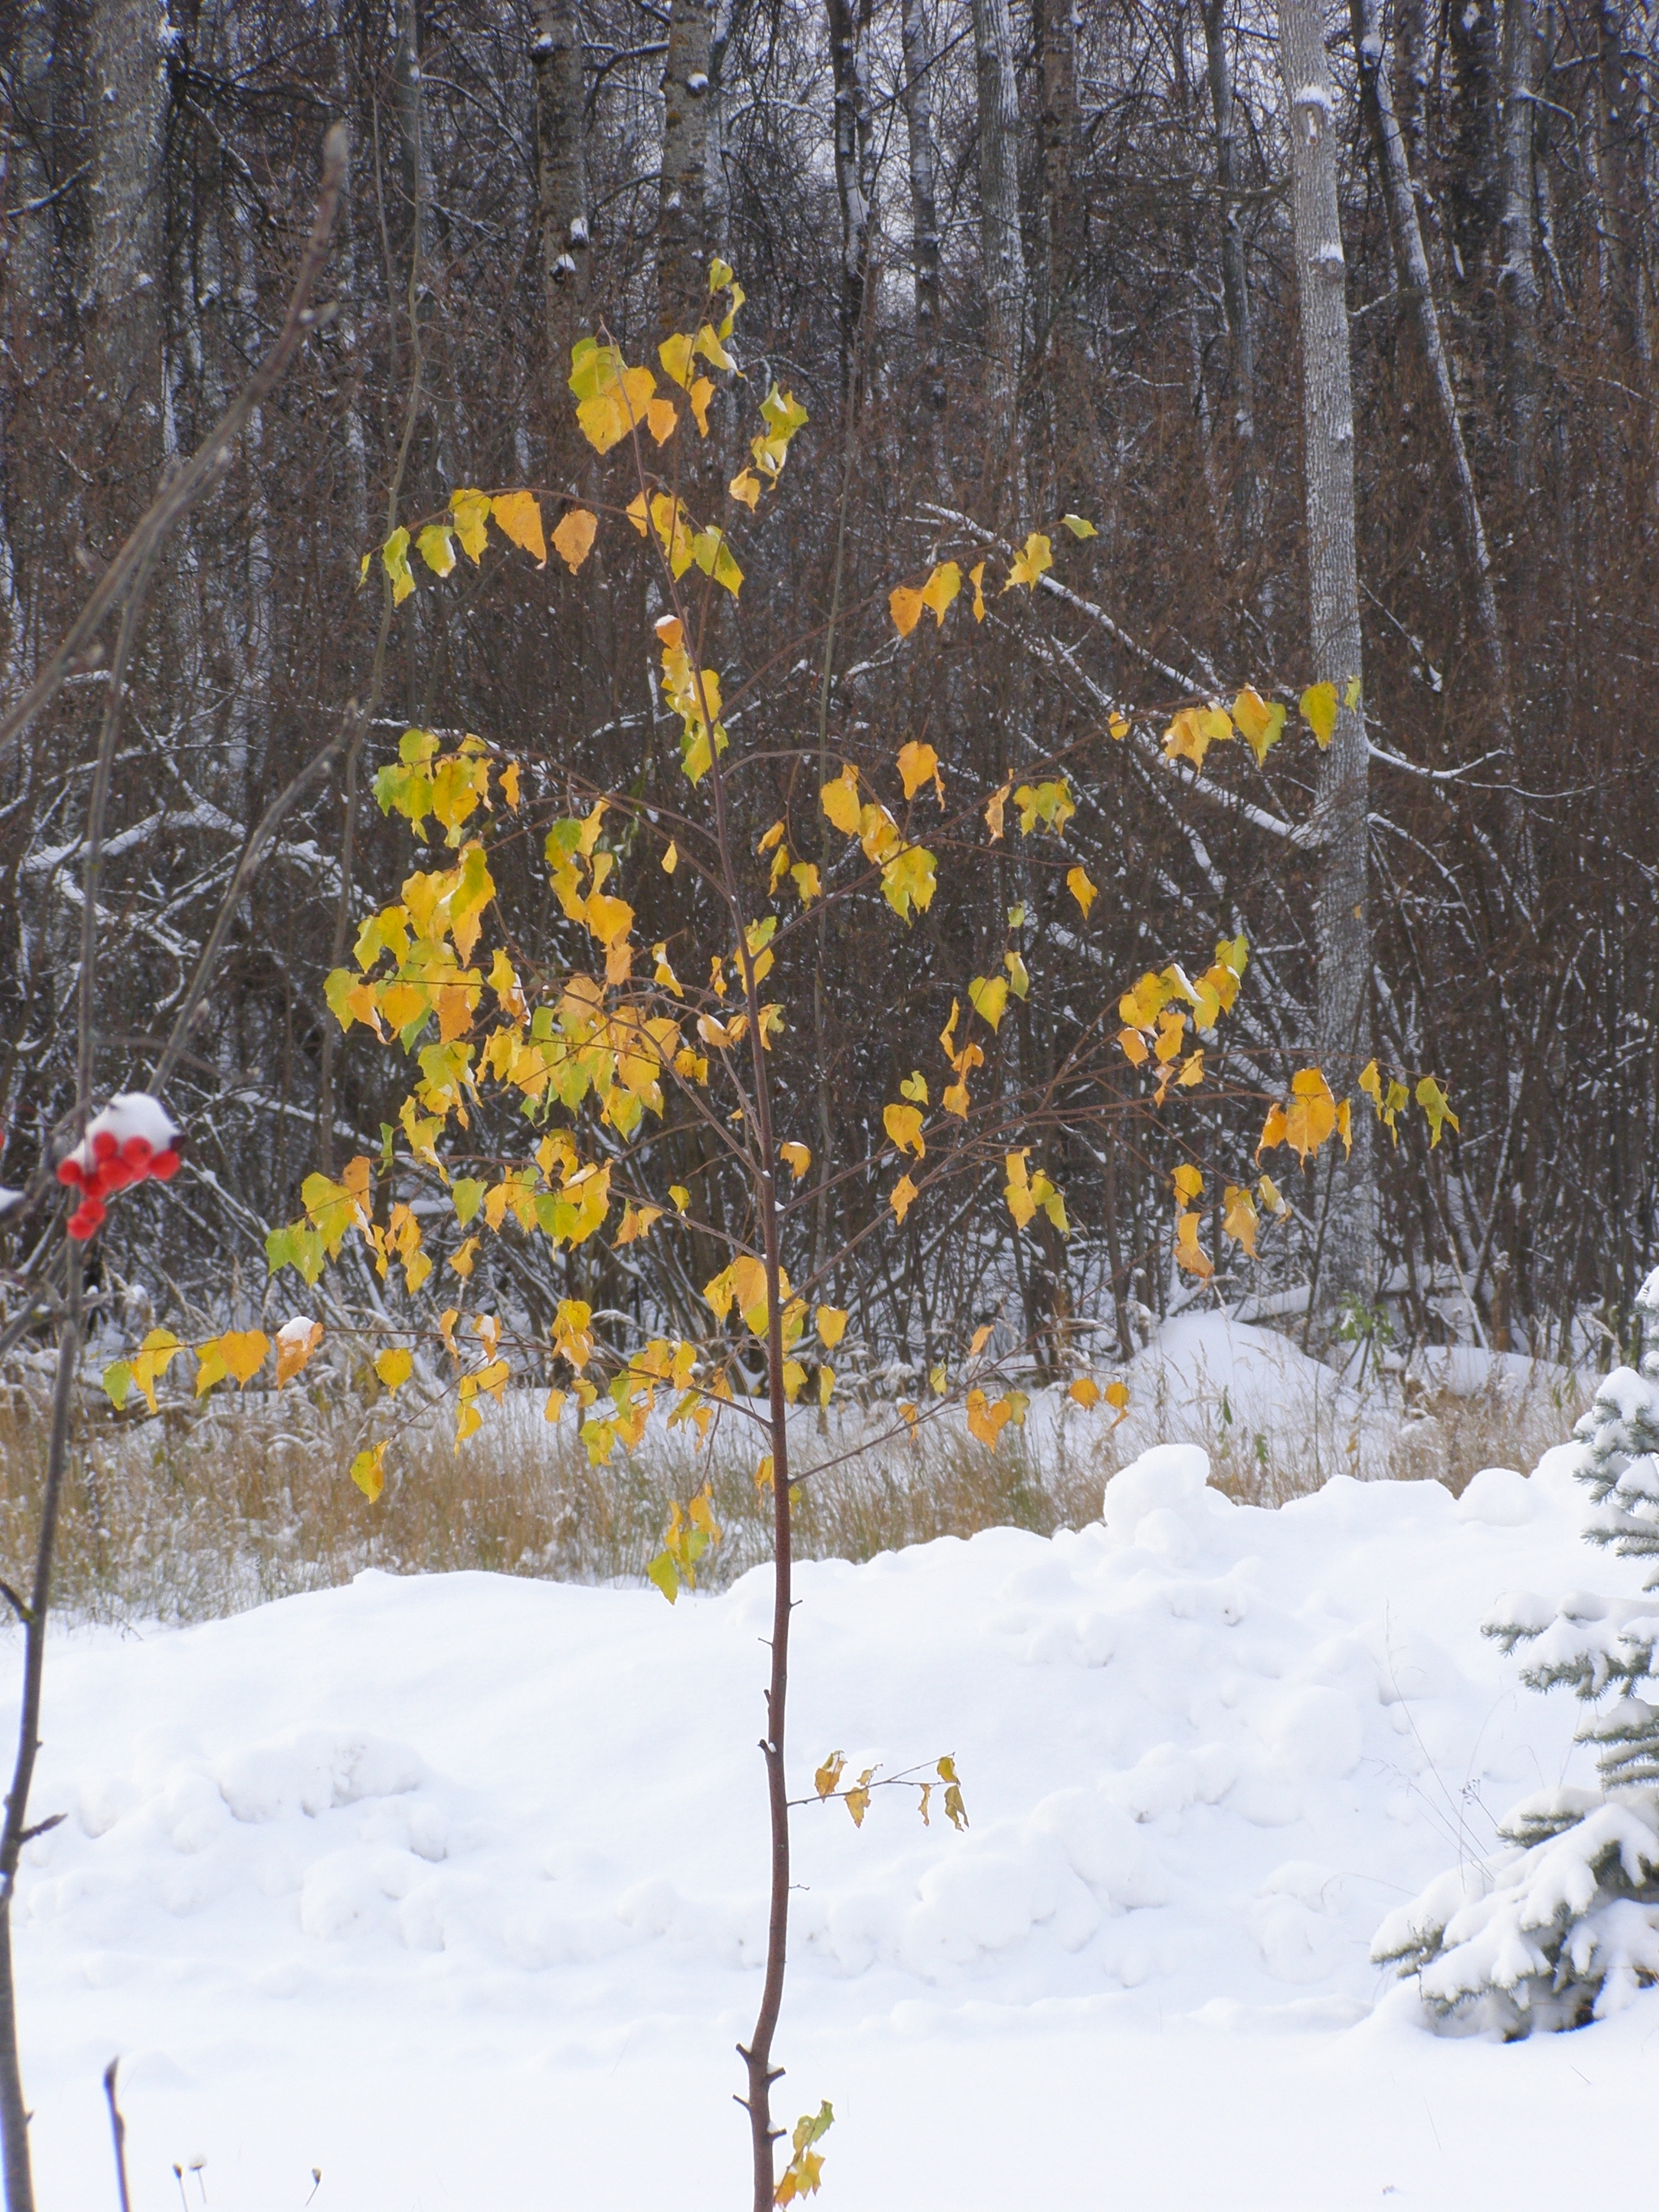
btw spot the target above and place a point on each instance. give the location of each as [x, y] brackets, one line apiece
[128, 92]
[924, 206]
[556, 54]
[1002, 254]
[1348, 1259]
[1235, 282]
[682, 208]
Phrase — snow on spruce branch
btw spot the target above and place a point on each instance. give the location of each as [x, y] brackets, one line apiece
[1561, 1926]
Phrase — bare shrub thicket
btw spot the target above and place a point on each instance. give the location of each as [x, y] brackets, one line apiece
[1148, 325]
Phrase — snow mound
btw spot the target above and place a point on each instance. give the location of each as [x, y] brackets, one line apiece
[431, 1878]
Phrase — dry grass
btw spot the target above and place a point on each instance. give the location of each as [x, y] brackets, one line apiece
[187, 1516]
[190, 1515]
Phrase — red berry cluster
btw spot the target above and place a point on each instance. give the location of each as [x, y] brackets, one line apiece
[114, 1166]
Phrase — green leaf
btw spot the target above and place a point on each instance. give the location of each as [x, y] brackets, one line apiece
[663, 1572]
[467, 1194]
[118, 1381]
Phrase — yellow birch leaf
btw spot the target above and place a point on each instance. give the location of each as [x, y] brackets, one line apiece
[1437, 1108]
[394, 1365]
[805, 877]
[904, 605]
[1189, 1183]
[1310, 1114]
[976, 578]
[1190, 1254]
[437, 545]
[940, 589]
[903, 1128]
[394, 559]
[296, 1340]
[830, 1321]
[681, 1196]
[555, 1406]
[1078, 527]
[1117, 1395]
[1117, 725]
[700, 393]
[661, 419]
[573, 537]
[840, 801]
[1261, 726]
[1034, 558]
[1318, 704]
[1345, 1125]
[510, 785]
[460, 1261]
[1351, 696]
[826, 1384]
[903, 1196]
[244, 1352]
[796, 1157]
[1081, 888]
[1187, 737]
[746, 486]
[918, 764]
[989, 997]
[471, 510]
[1273, 1131]
[368, 1472]
[519, 514]
[1240, 1221]
[674, 355]
[1084, 1392]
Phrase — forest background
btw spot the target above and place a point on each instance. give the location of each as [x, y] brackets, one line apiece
[1013, 260]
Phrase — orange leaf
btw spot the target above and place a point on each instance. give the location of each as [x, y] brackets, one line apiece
[573, 540]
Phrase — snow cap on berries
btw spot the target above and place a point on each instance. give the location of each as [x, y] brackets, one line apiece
[131, 1140]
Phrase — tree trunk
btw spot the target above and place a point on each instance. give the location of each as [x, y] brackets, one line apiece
[1417, 289]
[924, 206]
[683, 208]
[555, 53]
[412, 165]
[1235, 284]
[127, 84]
[851, 144]
[1002, 254]
[1517, 276]
[1059, 144]
[1348, 1257]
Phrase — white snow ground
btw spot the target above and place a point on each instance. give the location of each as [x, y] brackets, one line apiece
[454, 1887]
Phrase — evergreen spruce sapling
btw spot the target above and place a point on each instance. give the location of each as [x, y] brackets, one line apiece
[1562, 1926]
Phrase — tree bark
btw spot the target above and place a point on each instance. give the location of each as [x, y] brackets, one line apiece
[1517, 275]
[1348, 1260]
[555, 53]
[852, 181]
[127, 84]
[1235, 282]
[1002, 253]
[1417, 289]
[1055, 23]
[924, 206]
[682, 208]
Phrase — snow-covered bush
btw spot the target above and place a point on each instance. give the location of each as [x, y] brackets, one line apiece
[1562, 1925]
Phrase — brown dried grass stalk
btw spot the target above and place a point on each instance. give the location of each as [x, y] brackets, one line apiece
[191, 1515]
